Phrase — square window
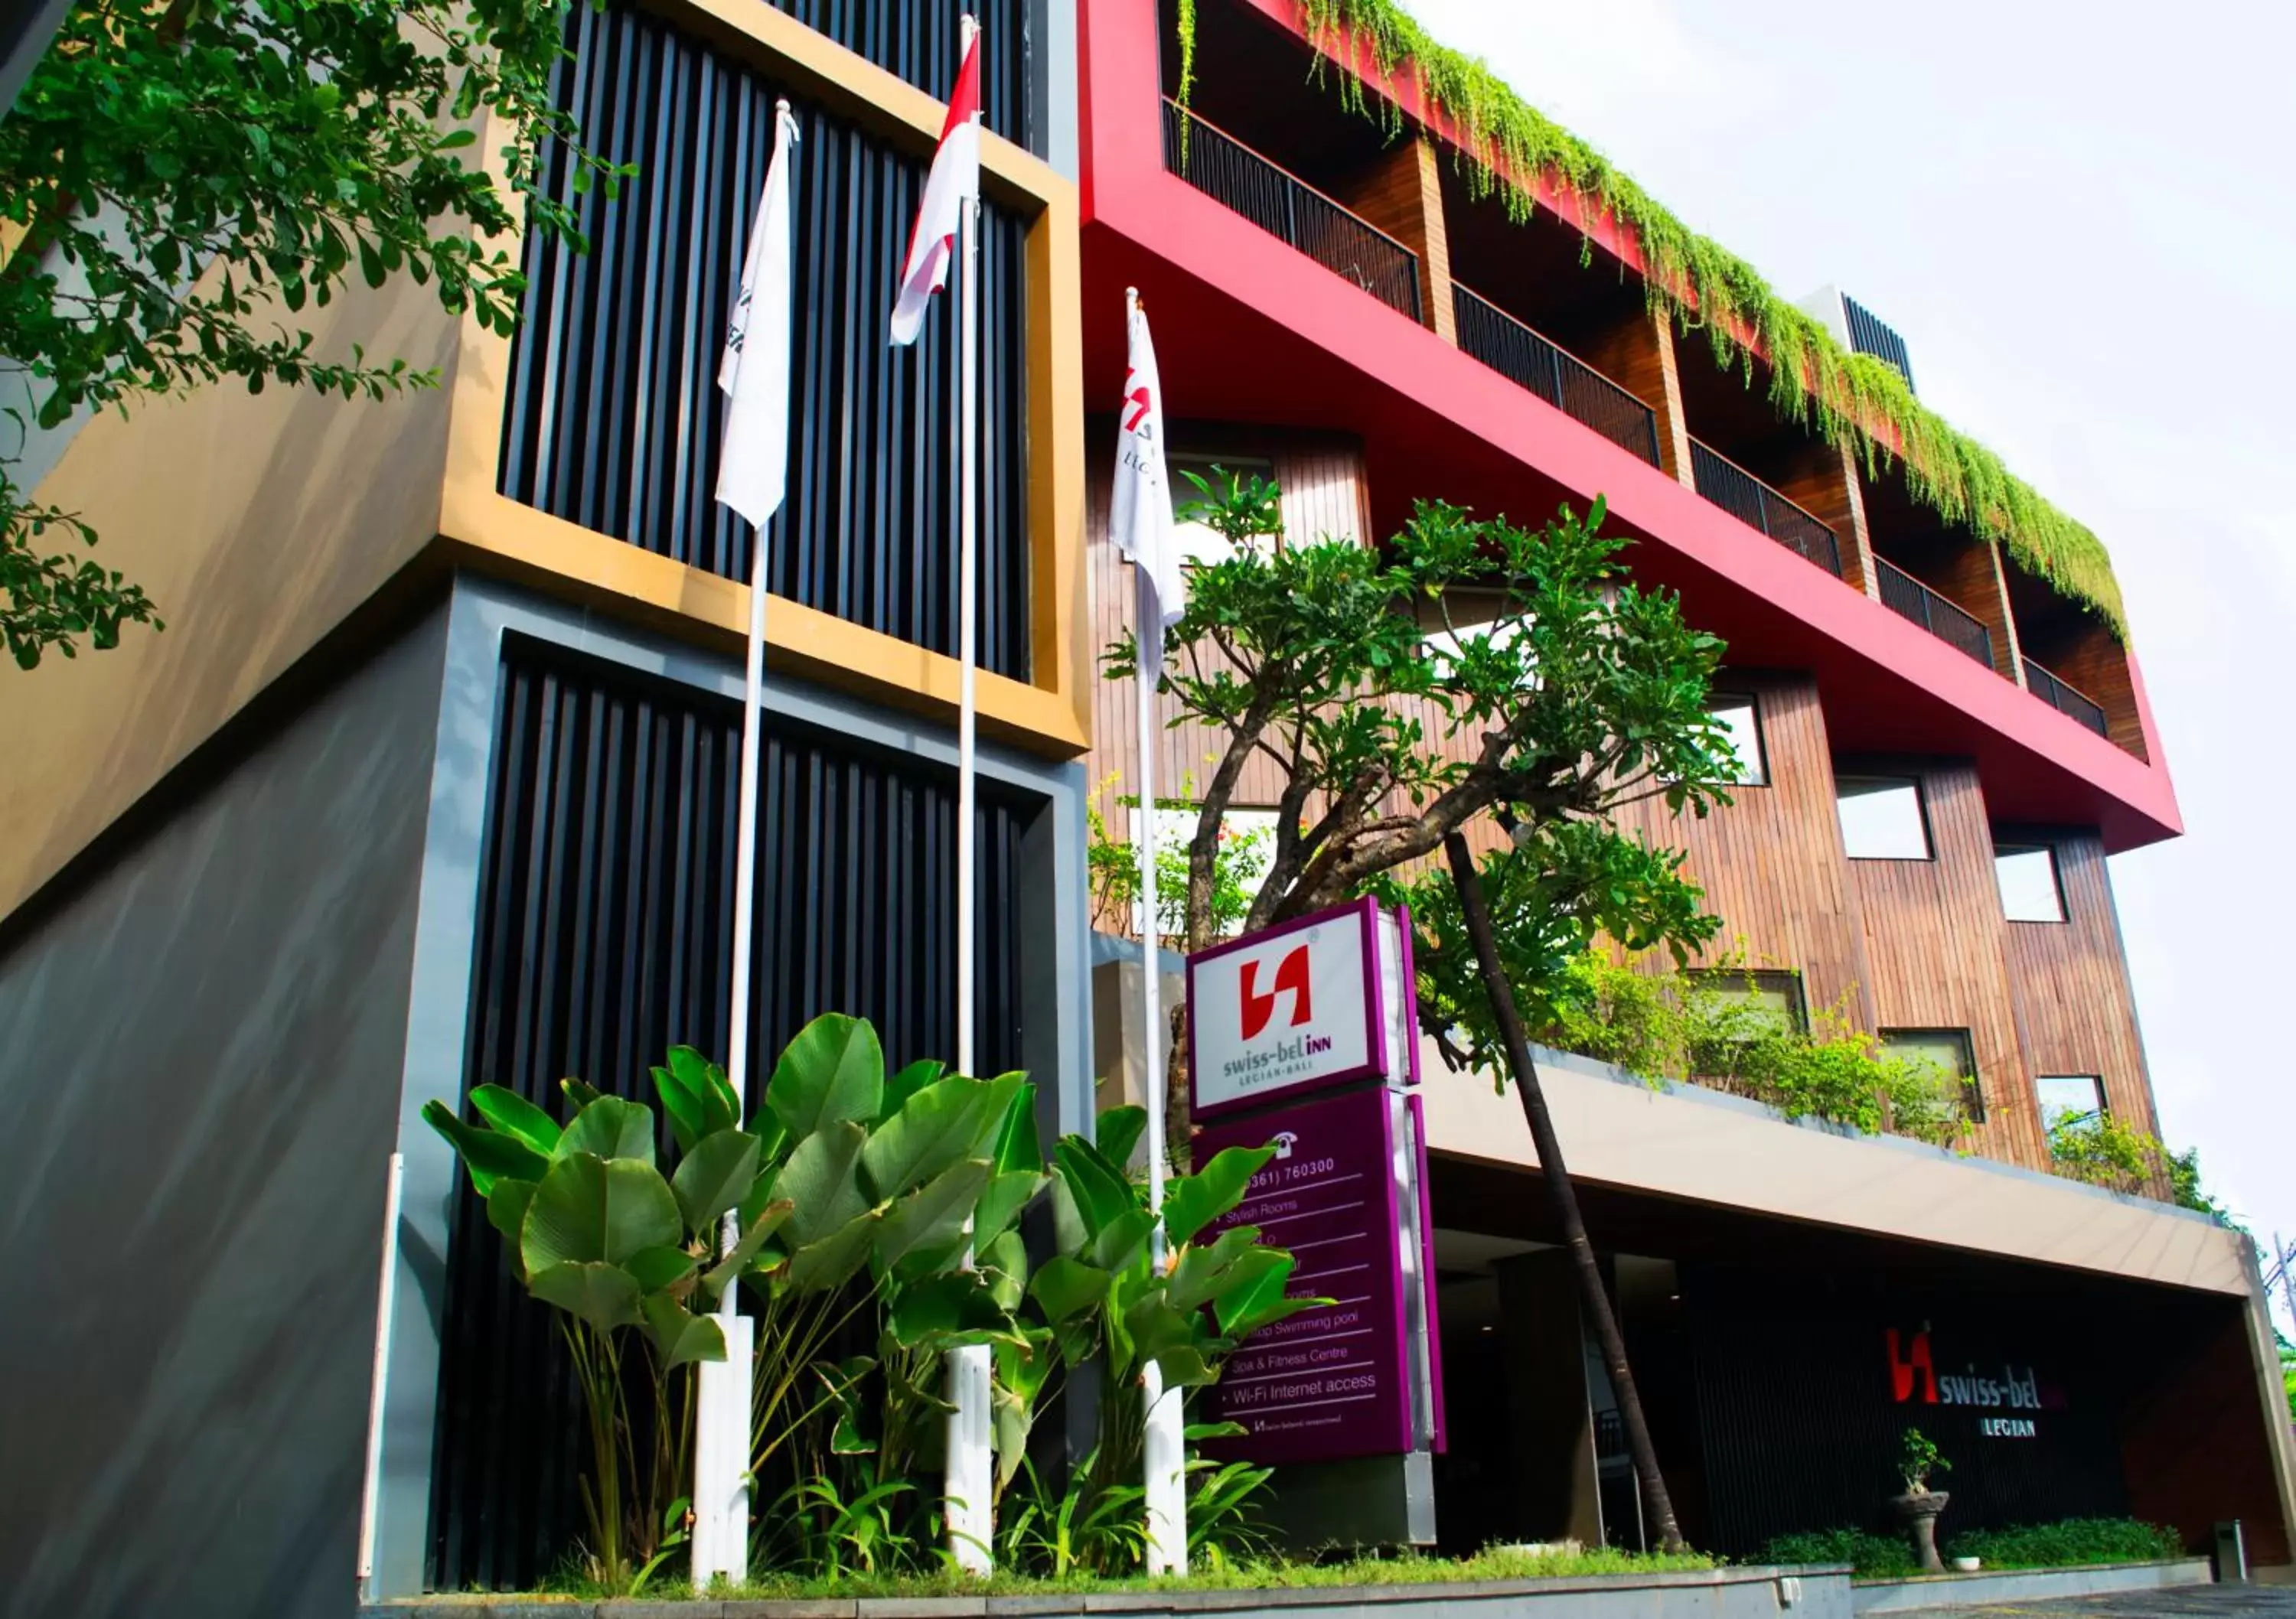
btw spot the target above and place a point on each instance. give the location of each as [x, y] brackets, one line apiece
[1200, 542]
[1240, 869]
[1882, 817]
[1947, 1053]
[2068, 1098]
[1741, 718]
[1777, 995]
[2029, 889]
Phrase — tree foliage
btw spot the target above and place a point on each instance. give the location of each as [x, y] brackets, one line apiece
[1469, 673]
[177, 183]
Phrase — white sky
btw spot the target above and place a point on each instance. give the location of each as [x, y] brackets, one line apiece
[2079, 218]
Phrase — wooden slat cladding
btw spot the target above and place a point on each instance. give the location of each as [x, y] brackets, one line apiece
[604, 935]
[2069, 981]
[1771, 862]
[1402, 194]
[1933, 941]
[1323, 494]
[613, 417]
[916, 41]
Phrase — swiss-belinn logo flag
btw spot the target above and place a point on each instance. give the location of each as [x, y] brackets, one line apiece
[1914, 1362]
[1290, 978]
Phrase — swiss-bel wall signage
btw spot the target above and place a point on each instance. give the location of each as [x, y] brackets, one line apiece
[1316, 1002]
[2011, 1396]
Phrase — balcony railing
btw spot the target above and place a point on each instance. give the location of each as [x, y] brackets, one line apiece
[1283, 205]
[1756, 505]
[1564, 381]
[1909, 598]
[2063, 698]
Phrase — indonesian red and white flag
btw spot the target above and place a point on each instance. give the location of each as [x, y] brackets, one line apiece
[954, 182]
[1140, 513]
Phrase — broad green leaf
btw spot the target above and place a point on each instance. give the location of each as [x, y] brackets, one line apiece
[934, 1215]
[1069, 1233]
[1018, 1146]
[757, 1230]
[679, 1335]
[487, 1155]
[1154, 1326]
[602, 1294]
[579, 1093]
[1117, 1133]
[1183, 1366]
[907, 1081]
[715, 1176]
[514, 1115]
[1206, 1269]
[506, 1213]
[1123, 1239]
[716, 1107]
[1005, 1261]
[1102, 1193]
[680, 1107]
[658, 1270]
[1256, 1295]
[1001, 1203]
[834, 1070]
[1193, 1202]
[590, 1209]
[611, 1128]
[960, 1304]
[1063, 1285]
[832, 1260]
[934, 1129]
[820, 1180]
[1195, 1433]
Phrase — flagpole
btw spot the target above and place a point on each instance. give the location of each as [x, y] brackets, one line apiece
[968, 1504]
[1163, 1446]
[720, 1539]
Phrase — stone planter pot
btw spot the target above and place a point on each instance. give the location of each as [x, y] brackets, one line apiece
[1919, 1514]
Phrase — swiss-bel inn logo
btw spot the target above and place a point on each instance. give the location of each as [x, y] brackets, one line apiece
[1283, 1009]
[1914, 1379]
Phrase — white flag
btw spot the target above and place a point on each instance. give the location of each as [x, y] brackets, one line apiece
[954, 180]
[1140, 514]
[754, 370]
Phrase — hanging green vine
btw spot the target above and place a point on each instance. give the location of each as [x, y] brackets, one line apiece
[1508, 146]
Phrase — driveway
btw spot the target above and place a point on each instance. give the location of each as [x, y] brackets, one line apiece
[2180, 1602]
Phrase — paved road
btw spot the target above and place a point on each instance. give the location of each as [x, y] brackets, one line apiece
[2185, 1602]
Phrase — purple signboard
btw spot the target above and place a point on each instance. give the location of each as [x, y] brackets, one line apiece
[1332, 1382]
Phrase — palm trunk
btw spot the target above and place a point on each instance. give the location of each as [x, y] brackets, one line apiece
[1592, 1295]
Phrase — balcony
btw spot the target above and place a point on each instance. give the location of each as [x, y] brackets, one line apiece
[2065, 699]
[1756, 505]
[1564, 381]
[1909, 598]
[1281, 203]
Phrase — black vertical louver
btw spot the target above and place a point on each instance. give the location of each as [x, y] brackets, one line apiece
[1869, 335]
[604, 936]
[916, 40]
[613, 417]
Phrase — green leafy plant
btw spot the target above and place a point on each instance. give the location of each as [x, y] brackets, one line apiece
[1506, 145]
[176, 180]
[1114, 869]
[1866, 1552]
[2099, 1149]
[593, 1228]
[2068, 1543]
[1917, 1458]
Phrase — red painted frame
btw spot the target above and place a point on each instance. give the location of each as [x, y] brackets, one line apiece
[1320, 352]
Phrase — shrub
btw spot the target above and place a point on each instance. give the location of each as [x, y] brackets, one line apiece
[2073, 1541]
[1866, 1552]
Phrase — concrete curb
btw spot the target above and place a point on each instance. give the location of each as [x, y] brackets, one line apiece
[1924, 1591]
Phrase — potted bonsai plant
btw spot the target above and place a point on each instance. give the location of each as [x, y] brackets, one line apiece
[1918, 1507]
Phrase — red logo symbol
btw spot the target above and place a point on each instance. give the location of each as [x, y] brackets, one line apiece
[1137, 400]
[1292, 975]
[1916, 1357]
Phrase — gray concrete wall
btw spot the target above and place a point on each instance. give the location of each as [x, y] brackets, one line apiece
[1927, 1591]
[200, 1053]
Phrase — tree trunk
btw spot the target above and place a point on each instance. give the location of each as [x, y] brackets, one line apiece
[1596, 1302]
[1179, 1151]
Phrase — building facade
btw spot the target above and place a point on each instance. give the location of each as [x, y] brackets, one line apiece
[1942, 746]
[429, 783]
